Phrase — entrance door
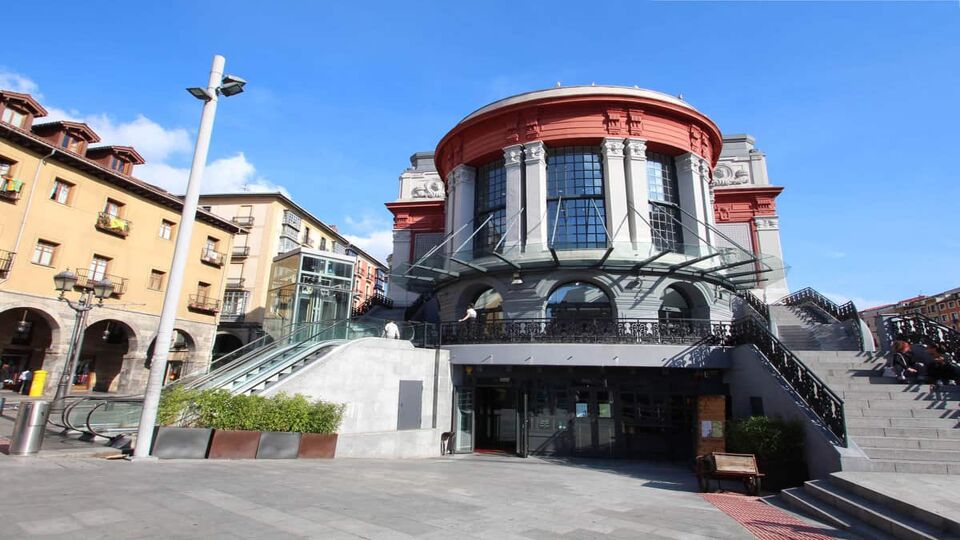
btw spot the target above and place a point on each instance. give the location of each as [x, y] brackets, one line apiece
[496, 414]
[594, 428]
[463, 440]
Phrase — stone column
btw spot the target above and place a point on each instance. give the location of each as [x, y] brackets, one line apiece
[638, 198]
[708, 212]
[399, 264]
[537, 221]
[615, 191]
[512, 158]
[690, 185]
[768, 238]
[463, 181]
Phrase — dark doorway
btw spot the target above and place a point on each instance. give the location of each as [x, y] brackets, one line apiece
[496, 419]
[594, 429]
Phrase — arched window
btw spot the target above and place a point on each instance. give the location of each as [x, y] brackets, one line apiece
[490, 202]
[664, 197]
[575, 209]
[674, 305]
[579, 301]
[489, 306]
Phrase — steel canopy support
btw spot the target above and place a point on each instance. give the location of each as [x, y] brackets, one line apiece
[678, 266]
[649, 260]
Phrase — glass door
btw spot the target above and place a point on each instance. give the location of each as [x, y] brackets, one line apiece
[594, 427]
[522, 421]
[463, 436]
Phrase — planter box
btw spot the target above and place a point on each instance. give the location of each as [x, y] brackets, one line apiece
[318, 446]
[229, 444]
[278, 445]
[180, 443]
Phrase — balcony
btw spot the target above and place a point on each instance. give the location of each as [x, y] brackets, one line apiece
[309, 243]
[243, 221]
[236, 283]
[240, 252]
[622, 331]
[212, 257]
[113, 224]
[10, 189]
[203, 303]
[85, 282]
[6, 261]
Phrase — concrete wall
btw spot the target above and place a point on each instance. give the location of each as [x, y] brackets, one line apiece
[752, 376]
[584, 354]
[365, 375]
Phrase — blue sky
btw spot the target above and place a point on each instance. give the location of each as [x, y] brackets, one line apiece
[856, 105]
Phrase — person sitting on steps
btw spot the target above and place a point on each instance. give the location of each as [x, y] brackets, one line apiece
[903, 362]
[940, 370]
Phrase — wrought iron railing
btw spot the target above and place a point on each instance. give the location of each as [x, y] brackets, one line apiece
[236, 282]
[920, 329]
[757, 304]
[368, 304]
[640, 331]
[211, 256]
[10, 188]
[416, 305]
[842, 312]
[826, 404]
[243, 221]
[240, 251]
[86, 281]
[113, 224]
[200, 302]
[6, 261]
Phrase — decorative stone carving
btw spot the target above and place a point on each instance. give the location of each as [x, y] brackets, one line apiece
[531, 129]
[767, 223]
[534, 152]
[725, 176]
[636, 149]
[634, 122]
[428, 189]
[612, 148]
[460, 175]
[612, 122]
[512, 155]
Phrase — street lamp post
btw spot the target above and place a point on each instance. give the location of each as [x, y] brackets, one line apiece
[217, 85]
[100, 289]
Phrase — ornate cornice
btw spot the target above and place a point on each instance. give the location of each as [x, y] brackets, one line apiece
[636, 149]
[612, 148]
[534, 152]
[513, 155]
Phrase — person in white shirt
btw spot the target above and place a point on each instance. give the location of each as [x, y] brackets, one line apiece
[471, 314]
[391, 330]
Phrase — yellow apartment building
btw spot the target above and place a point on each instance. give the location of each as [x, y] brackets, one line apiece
[273, 225]
[65, 204]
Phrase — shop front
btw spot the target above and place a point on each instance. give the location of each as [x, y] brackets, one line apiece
[642, 413]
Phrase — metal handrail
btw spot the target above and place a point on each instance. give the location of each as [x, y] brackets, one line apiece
[592, 330]
[756, 304]
[916, 328]
[823, 401]
[843, 312]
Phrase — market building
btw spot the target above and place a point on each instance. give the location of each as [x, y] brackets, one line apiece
[67, 204]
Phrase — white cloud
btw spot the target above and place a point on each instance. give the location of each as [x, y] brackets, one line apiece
[377, 243]
[861, 302]
[164, 149]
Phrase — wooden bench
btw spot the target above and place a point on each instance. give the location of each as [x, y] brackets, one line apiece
[719, 466]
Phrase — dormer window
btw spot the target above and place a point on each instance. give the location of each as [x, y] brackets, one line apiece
[119, 165]
[13, 117]
[71, 143]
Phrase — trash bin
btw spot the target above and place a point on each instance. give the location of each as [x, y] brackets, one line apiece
[28, 428]
[39, 379]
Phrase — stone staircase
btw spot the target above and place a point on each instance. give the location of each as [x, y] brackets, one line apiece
[902, 427]
[807, 328]
[850, 502]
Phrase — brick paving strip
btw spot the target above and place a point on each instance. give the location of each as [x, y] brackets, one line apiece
[762, 520]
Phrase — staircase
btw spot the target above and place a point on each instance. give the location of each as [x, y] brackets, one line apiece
[847, 502]
[807, 328]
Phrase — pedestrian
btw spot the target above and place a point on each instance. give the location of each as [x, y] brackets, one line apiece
[470, 315]
[25, 378]
[391, 330]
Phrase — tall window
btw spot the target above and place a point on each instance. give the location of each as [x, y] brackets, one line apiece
[98, 267]
[490, 202]
[203, 290]
[112, 208]
[5, 167]
[664, 203]
[13, 117]
[156, 280]
[61, 192]
[575, 208]
[166, 229]
[119, 165]
[71, 143]
[43, 253]
[234, 302]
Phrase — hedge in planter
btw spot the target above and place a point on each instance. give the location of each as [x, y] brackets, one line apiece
[778, 445]
[254, 426]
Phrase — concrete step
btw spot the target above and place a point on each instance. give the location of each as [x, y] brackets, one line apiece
[908, 443]
[872, 513]
[906, 454]
[895, 392]
[938, 520]
[805, 503]
[930, 405]
[852, 412]
[914, 467]
[939, 423]
[839, 355]
[916, 432]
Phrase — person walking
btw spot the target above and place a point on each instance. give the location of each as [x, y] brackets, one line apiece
[391, 330]
[25, 378]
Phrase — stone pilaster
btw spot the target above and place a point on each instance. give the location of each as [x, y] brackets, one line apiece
[615, 191]
[535, 167]
[771, 254]
[512, 162]
[638, 198]
[693, 202]
[462, 180]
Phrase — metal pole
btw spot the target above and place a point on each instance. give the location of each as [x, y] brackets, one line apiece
[171, 298]
[63, 385]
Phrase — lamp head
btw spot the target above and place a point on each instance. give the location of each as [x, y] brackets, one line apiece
[232, 85]
[200, 93]
[64, 281]
[103, 289]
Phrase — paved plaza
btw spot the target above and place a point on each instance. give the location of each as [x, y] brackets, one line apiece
[489, 497]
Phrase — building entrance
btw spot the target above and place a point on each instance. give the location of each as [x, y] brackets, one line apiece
[497, 419]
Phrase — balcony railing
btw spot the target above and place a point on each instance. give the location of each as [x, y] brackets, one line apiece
[6, 261]
[202, 302]
[86, 281]
[10, 189]
[114, 225]
[243, 221]
[637, 331]
[211, 256]
[240, 252]
[236, 283]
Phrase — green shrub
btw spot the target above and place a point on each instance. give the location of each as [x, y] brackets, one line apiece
[771, 439]
[218, 409]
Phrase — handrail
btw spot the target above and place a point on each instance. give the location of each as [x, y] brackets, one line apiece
[823, 401]
[101, 432]
[593, 330]
[757, 304]
[916, 328]
[843, 312]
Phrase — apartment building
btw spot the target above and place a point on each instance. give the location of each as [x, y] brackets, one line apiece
[66, 204]
[274, 225]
